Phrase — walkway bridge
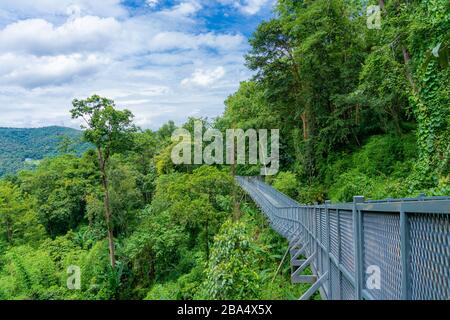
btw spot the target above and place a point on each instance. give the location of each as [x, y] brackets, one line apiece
[391, 249]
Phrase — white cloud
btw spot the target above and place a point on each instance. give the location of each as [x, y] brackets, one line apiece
[184, 9]
[248, 7]
[29, 8]
[94, 34]
[40, 37]
[31, 72]
[152, 3]
[204, 78]
[164, 41]
[253, 6]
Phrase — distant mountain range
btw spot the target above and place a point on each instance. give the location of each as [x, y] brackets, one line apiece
[23, 148]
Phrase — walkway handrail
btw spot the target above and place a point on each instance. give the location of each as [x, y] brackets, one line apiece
[384, 249]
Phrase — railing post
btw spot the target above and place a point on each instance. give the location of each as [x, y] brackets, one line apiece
[339, 258]
[327, 217]
[404, 252]
[358, 248]
[317, 217]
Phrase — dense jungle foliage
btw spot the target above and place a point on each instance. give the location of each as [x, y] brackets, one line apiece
[361, 111]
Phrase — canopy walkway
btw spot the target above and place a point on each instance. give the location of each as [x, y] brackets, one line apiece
[390, 249]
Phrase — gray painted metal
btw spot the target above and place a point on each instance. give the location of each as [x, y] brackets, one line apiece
[346, 244]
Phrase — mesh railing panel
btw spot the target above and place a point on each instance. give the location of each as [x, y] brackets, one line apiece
[335, 278]
[323, 227]
[334, 238]
[382, 249]
[347, 257]
[347, 289]
[429, 256]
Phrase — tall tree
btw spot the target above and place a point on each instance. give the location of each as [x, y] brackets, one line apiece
[306, 57]
[110, 131]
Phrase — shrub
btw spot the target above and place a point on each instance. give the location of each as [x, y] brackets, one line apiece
[231, 270]
[286, 182]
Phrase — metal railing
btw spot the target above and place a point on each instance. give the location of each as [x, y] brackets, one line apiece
[392, 249]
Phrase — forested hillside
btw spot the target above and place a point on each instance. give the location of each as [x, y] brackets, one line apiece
[360, 111]
[20, 148]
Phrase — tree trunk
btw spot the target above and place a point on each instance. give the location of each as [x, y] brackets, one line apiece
[236, 211]
[409, 76]
[304, 118]
[236, 206]
[102, 163]
[357, 114]
[207, 240]
[306, 114]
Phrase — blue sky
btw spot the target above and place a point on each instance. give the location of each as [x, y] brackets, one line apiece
[161, 59]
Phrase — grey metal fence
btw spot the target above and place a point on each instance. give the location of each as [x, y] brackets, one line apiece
[389, 249]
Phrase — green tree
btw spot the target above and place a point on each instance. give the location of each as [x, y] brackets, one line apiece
[18, 219]
[125, 198]
[197, 201]
[145, 146]
[109, 130]
[231, 269]
[60, 186]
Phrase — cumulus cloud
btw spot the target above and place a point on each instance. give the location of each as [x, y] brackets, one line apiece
[91, 34]
[183, 9]
[32, 72]
[204, 78]
[152, 3]
[27, 8]
[164, 41]
[249, 7]
[40, 37]
[253, 6]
